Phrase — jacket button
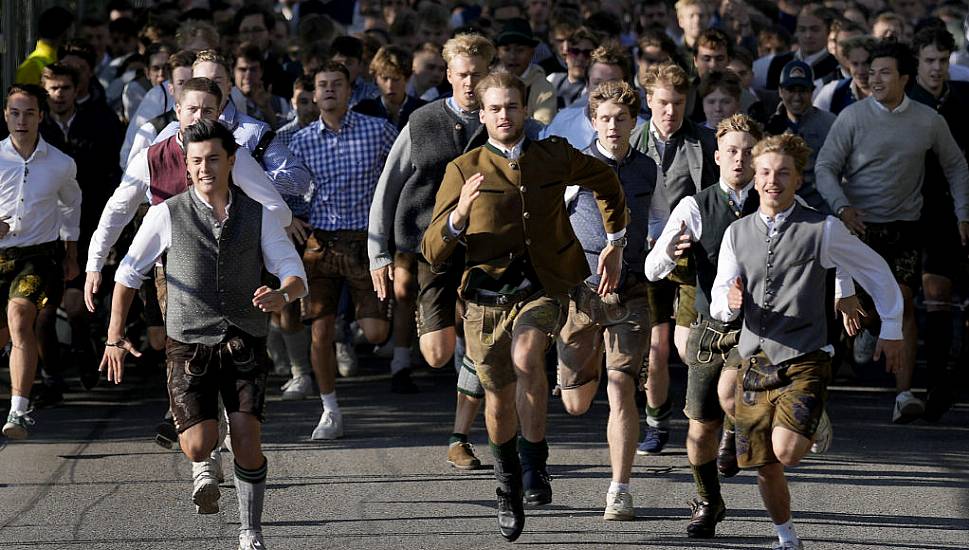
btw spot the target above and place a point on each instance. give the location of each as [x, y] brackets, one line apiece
[528, 242]
[458, 127]
[526, 215]
[513, 165]
[523, 188]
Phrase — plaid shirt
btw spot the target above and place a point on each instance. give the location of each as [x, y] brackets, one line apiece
[345, 165]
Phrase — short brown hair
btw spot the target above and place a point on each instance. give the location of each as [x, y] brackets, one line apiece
[57, 70]
[501, 79]
[620, 92]
[611, 53]
[740, 123]
[469, 44]
[728, 81]
[791, 145]
[332, 67]
[392, 60]
[714, 39]
[33, 90]
[179, 59]
[670, 74]
[201, 84]
[583, 33]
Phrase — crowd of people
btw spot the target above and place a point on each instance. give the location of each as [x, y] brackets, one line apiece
[760, 190]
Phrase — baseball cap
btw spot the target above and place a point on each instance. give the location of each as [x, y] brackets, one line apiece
[797, 73]
[516, 31]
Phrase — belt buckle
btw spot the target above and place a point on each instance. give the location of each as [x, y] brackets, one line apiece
[501, 299]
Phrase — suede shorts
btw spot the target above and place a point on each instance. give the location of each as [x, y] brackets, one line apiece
[33, 273]
[437, 297]
[489, 329]
[673, 298]
[796, 399]
[617, 328]
[333, 258]
[710, 348]
[235, 369]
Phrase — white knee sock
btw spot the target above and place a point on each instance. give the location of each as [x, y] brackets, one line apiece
[19, 403]
[785, 532]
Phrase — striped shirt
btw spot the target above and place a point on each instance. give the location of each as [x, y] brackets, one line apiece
[345, 165]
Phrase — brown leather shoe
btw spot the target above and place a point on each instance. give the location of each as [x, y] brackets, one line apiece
[704, 519]
[461, 456]
[727, 454]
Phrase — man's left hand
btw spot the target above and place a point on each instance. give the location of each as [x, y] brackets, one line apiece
[851, 311]
[298, 231]
[268, 300]
[610, 266]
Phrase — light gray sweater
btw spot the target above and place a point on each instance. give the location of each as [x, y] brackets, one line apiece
[874, 160]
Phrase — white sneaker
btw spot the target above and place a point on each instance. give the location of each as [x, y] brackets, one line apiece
[251, 540]
[205, 492]
[330, 427]
[16, 426]
[798, 545]
[346, 360]
[823, 435]
[619, 507]
[907, 408]
[299, 387]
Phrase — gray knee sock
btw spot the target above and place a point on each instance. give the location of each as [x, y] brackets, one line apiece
[298, 351]
[251, 490]
[276, 346]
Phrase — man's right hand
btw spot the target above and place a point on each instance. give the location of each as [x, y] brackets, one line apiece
[735, 296]
[469, 193]
[680, 244]
[382, 277]
[851, 217]
[91, 285]
[112, 362]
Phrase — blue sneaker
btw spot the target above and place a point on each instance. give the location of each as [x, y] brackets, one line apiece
[654, 439]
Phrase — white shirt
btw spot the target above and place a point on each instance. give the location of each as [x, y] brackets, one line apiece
[135, 189]
[898, 108]
[839, 249]
[154, 237]
[39, 196]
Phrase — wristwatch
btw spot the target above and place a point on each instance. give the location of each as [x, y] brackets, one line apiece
[841, 211]
[285, 295]
[620, 242]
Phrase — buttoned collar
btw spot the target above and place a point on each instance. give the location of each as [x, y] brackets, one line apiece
[607, 154]
[656, 135]
[206, 203]
[453, 105]
[512, 153]
[346, 122]
[777, 220]
[229, 117]
[738, 196]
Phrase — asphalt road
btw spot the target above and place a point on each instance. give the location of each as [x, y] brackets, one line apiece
[90, 478]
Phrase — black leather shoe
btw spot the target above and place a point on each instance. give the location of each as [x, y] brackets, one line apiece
[538, 487]
[727, 454]
[401, 382]
[704, 519]
[511, 514]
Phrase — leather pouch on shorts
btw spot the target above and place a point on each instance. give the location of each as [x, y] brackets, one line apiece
[243, 356]
[765, 377]
[198, 364]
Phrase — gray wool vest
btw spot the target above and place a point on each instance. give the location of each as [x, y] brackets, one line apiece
[212, 272]
[784, 292]
[438, 136]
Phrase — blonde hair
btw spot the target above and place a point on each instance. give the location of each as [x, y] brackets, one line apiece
[667, 73]
[213, 56]
[501, 79]
[618, 91]
[683, 4]
[791, 145]
[740, 123]
[470, 45]
[390, 61]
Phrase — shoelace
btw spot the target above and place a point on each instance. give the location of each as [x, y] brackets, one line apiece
[24, 416]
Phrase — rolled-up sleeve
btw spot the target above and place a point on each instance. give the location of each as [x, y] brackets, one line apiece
[288, 174]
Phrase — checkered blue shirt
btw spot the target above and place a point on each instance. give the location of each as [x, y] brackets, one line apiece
[345, 166]
[299, 204]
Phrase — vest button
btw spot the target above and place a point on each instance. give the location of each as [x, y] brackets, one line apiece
[513, 165]
[458, 127]
[528, 242]
[526, 215]
[523, 188]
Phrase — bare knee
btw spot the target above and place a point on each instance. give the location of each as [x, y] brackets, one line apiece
[20, 321]
[375, 331]
[574, 404]
[323, 330]
[437, 354]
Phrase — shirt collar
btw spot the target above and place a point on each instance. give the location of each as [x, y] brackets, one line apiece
[655, 132]
[41, 150]
[345, 122]
[740, 197]
[901, 106]
[456, 109]
[777, 220]
[813, 58]
[206, 203]
[608, 154]
[513, 153]
[230, 115]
